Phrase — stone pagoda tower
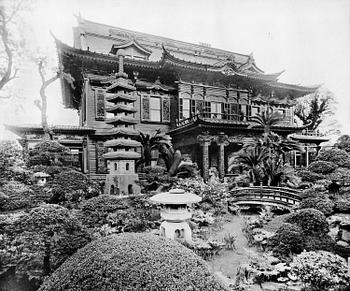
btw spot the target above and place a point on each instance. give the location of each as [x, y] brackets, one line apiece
[121, 179]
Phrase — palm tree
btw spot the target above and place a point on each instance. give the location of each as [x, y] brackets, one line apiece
[267, 119]
[253, 158]
[158, 141]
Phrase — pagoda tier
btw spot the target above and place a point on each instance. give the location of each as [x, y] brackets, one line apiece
[118, 131]
[121, 120]
[120, 97]
[121, 108]
[121, 142]
[122, 155]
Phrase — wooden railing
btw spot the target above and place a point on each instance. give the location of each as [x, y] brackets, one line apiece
[265, 195]
[311, 133]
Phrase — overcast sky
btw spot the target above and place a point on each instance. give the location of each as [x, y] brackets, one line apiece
[309, 39]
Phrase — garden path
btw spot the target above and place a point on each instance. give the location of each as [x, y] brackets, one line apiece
[229, 260]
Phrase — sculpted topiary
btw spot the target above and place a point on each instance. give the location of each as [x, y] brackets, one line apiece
[133, 262]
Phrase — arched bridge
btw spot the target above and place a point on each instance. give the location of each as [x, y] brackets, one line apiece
[265, 195]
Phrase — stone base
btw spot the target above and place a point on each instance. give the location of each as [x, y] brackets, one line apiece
[180, 231]
[122, 184]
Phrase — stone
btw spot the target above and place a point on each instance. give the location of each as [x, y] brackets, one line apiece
[345, 235]
[342, 243]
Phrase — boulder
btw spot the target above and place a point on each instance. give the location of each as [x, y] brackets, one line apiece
[345, 235]
[342, 243]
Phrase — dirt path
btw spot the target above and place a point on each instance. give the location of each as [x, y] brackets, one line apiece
[229, 260]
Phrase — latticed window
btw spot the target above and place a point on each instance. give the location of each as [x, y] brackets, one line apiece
[155, 108]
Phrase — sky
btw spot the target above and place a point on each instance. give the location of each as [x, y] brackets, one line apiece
[309, 39]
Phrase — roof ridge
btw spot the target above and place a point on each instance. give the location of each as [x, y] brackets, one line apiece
[162, 37]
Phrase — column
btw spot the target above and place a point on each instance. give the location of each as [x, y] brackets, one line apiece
[204, 141]
[307, 155]
[222, 141]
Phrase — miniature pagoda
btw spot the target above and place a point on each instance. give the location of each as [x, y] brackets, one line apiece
[203, 97]
[121, 179]
[175, 213]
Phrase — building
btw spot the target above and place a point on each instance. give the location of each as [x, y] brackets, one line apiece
[127, 81]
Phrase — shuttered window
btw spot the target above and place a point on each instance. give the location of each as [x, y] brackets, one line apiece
[155, 108]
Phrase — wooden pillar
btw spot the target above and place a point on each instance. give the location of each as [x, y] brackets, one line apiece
[306, 156]
[222, 141]
[205, 140]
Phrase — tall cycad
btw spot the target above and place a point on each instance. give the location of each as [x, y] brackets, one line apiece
[267, 119]
[158, 141]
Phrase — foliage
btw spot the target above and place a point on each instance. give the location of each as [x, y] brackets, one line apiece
[343, 143]
[317, 242]
[288, 240]
[11, 162]
[156, 177]
[313, 111]
[321, 270]
[337, 156]
[156, 142]
[342, 205]
[325, 205]
[37, 242]
[267, 119]
[48, 153]
[133, 262]
[16, 195]
[72, 186]
[309, 176]
[341, 174]
[94, 211]
[322, 167]
[310, 220]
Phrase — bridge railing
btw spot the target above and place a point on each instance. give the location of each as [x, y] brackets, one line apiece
[266, 194]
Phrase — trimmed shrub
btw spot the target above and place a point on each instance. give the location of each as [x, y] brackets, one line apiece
[342, 206]
[48, 153]
[322, 167]
[317, 242]
[94, 211]
[339, 157]
[322, 204]
[72, 186]
[341, 175]
[310, 220]
[287, 240]
[16, 195]
[133, 262]
[321, 270]
[309, 176]
[312, 193]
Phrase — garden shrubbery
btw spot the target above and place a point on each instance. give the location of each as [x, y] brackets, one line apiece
[322, 167]
[323, 204]
[133, 262]
[321, 270]
[337, 156]
[16, 195]
[309, 176]
[310, 220]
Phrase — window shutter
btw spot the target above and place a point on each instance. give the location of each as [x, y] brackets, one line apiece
[100, 104]
[166, 109]
[249, 111]
[145, 110]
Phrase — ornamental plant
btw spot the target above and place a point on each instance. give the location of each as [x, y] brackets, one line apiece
[322, 167]
[310, 220]
[309, 176]
[132, 261]
[337, 156]
[323, 204]
[321, 270]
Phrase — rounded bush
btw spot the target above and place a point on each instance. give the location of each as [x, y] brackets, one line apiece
[94, 211]
[288, 239]
[339, 157]
[310, 220]
[133, 262]
[341, 175]
[324, 205]
[309, 176]
[321, 270]
[322, 167]
[342, 206]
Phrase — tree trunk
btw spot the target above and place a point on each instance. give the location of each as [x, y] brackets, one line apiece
[47, 258]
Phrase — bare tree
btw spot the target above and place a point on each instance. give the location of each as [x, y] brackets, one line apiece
[42, 63]
[8, 46]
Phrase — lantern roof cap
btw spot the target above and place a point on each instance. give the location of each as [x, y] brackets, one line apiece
[176, 196]
[41, 175]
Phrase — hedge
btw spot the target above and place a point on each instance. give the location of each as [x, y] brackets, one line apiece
[310, 220]
[322, 167]
[133, 262]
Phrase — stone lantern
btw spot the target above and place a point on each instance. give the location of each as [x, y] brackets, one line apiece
[40, 178]
[175, 213]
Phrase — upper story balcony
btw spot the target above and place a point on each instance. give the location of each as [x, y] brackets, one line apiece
[310, 136]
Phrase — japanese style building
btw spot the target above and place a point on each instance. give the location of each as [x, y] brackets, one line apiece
[127, 81]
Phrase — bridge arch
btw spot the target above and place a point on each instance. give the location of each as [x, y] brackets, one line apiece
[265, 195]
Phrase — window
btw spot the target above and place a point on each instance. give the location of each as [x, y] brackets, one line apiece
[115, 166]
[185, 108]
[127, 166]
[255, 110]
[155, 109]
[207, 108]
[216, 110]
